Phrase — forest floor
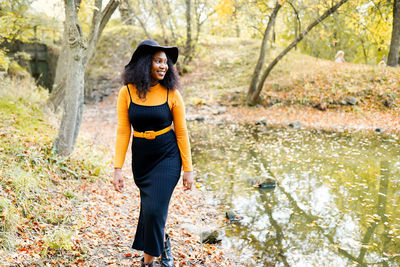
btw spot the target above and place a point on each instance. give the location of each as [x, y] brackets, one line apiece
[65, 211]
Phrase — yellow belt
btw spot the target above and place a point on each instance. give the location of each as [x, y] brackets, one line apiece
[150, 134]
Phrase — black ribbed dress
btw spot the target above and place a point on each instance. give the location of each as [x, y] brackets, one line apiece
[156, 166]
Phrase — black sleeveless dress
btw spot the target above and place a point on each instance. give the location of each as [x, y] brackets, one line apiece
[156, 166]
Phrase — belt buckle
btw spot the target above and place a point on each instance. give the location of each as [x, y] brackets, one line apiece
[149, 134]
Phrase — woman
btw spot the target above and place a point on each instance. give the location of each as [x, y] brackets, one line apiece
[339, 58]
[150, 103]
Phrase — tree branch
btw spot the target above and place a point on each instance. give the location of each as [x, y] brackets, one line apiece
[252, 98]
[94, 27]
[106, 14]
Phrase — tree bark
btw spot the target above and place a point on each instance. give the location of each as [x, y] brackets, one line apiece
[58, 93]
[161, 19]
[75, 46]
[99, 21]
[171, 19]
[199, 23]
[78, 54]
[393, 58]
[261, 59]
[252, 97]
[188, 47]
[125, 10]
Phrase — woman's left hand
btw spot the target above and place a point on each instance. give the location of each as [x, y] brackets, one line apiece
[187, 180]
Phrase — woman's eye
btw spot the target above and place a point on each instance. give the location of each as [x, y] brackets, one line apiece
[160, 62]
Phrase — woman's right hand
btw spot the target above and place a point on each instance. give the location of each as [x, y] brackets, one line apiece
[118, 180]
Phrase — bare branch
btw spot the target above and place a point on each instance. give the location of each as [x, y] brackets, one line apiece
[253, 97]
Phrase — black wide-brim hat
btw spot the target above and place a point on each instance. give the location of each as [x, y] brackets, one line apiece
[151, 46]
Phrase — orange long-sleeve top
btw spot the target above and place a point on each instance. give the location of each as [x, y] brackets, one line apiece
[156, 96]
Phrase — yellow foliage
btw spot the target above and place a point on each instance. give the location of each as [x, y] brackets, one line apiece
[4, 61]
[224, 9]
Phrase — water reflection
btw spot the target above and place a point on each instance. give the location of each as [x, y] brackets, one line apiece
[335, 203]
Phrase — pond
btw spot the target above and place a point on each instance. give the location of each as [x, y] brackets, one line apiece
[334, 199]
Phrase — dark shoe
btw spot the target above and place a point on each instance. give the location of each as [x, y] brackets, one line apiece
[151, 264]
[166, 256]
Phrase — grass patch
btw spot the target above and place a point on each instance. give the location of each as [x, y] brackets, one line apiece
[38, 189]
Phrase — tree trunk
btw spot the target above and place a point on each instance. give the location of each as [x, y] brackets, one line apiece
[125, 10]
[261, 59]
[394, 51]
[199, 23]
[188, 47]
[235, 18]
[253, 96]
[171, 20]
[161, 20]
[57, 95]
[78, 54]
[142, 24]
[364, 50]
[75, 47]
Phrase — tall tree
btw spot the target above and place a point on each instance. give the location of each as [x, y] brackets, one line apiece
[126, 11]
[188, 46]
[393, 58]
[261, 58]
[253, 96]
[78, 52]
[202, 12]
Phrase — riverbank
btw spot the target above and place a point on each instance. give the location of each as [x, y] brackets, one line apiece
[324, 95]
[369, 121]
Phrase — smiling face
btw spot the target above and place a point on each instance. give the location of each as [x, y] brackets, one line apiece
[159, 66]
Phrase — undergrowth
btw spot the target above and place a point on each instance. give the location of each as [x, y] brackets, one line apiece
[38, 196]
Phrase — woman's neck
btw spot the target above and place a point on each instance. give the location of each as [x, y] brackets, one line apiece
[154, 83]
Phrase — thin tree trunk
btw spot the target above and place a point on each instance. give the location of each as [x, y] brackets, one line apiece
[170, 18]
[364, 51]
[297, 24]
[74, 80]
[142, 24]
[160, 17]
[199, 23]
[125, 10]
[235, 18]
[57, 95]
[252, 97]
[261, 59]
[104, 18]
[188, 47]
[393, 58]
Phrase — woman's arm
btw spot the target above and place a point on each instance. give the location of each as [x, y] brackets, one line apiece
[182, 136]
[123, 129]
[122, 139]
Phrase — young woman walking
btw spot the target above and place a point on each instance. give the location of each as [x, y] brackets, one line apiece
[150, 103]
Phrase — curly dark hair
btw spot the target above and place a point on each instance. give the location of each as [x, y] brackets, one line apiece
[138, 74]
